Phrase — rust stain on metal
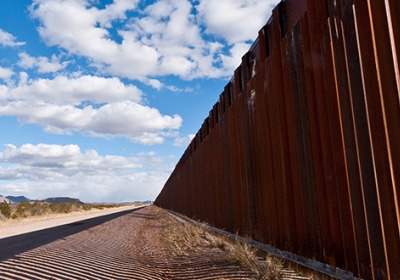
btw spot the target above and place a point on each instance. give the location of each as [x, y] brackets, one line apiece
[302, 149]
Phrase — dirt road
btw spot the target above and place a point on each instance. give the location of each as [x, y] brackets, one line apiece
[125, 245]
[133, 244]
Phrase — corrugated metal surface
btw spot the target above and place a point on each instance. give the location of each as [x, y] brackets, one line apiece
[302, 150]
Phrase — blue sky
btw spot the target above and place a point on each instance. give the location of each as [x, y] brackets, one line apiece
[99, 99]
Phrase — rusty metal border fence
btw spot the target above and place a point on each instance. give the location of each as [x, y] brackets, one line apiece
[302, 149]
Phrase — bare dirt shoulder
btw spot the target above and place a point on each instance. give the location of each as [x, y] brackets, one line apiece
[12, 227]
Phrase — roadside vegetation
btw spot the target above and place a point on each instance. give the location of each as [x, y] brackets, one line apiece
[185, 238]
[39, 208]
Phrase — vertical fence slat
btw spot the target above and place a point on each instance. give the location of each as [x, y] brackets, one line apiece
[391, 115]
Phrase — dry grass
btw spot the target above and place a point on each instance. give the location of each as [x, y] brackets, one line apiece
[184, 238]
[5, 211]
[268, 267]
[40, 209]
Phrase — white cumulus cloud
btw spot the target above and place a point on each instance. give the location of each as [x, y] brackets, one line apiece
[65, 160]
[74, 26]
[43, 64]
[235, 20]
[6, 73]
[168, 37]
[115, 11]
[57, 170]
[69, 90]
[88, 104]
[235, 55]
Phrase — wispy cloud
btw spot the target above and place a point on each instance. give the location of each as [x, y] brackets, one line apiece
[183, 141]
[8, 40]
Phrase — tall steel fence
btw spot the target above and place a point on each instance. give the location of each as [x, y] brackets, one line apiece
[302, 150]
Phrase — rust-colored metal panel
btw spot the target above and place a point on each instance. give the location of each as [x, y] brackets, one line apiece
[348, 144]
[377, 136]
[336, 150]
[280, 137]
[292, 86]
[362, 171]
[324, 87]
[271, 182]
[390, 106]
[301, 151]
[306, 59]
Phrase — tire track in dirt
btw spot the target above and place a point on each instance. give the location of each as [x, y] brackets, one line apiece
[132, 246]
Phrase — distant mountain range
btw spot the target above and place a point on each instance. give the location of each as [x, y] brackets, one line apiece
[18, 199]
[56, 200]
[53, 200]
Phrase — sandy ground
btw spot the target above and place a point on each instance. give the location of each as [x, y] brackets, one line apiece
[16, 227]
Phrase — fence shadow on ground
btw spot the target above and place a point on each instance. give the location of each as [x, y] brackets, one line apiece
[14, 245]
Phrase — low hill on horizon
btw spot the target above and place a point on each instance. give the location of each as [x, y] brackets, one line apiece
[57, 200]
[18, 199]
[52, 200]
